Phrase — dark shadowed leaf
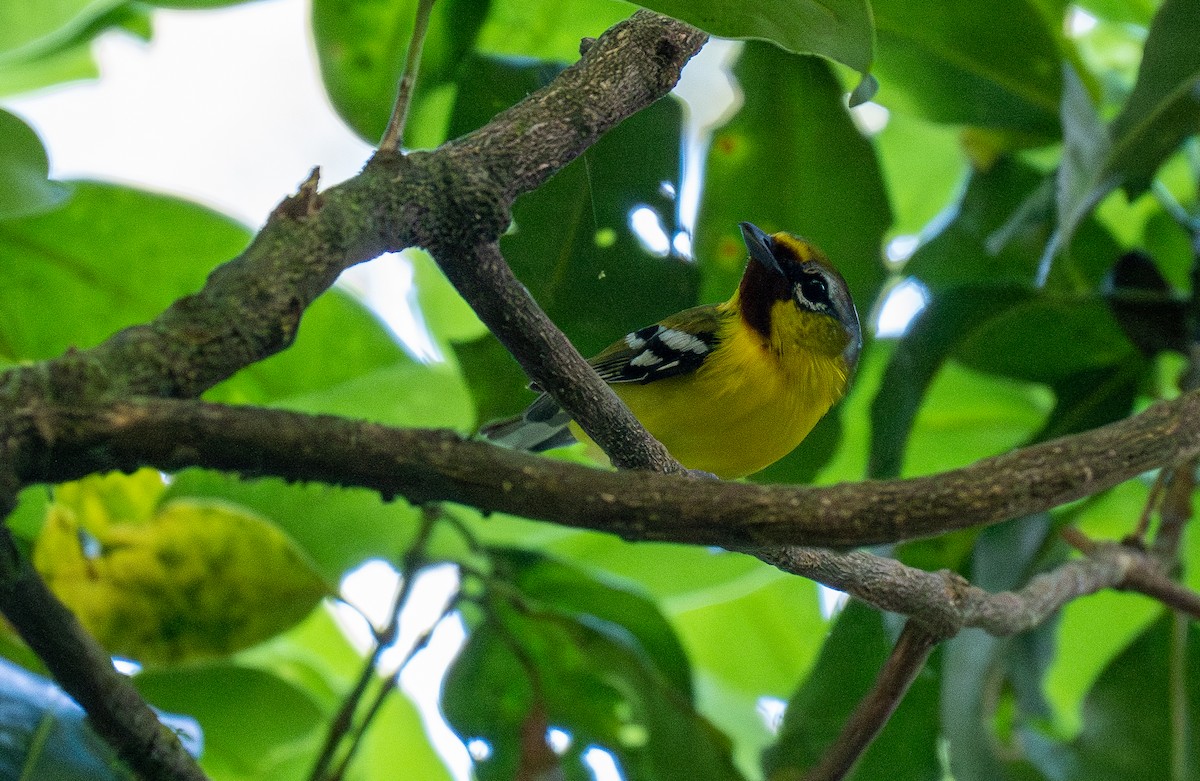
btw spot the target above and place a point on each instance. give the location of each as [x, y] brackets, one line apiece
[838, 29]
[849, 663]
[792, 160]
[957, 62]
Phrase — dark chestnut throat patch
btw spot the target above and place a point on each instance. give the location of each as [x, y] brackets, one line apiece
[760, 288]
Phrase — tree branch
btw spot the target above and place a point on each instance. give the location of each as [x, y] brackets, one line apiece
[59, 442]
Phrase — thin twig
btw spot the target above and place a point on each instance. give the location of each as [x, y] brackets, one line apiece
[392, 136]
[343, 722]
[905, 662]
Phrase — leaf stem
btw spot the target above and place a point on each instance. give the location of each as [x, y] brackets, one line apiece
[390, 143]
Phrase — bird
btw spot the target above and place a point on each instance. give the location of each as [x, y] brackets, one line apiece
[728, 388]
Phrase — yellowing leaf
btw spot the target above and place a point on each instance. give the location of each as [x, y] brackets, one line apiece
[188, 580]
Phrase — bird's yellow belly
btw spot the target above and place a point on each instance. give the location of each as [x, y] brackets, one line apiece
[737, 420]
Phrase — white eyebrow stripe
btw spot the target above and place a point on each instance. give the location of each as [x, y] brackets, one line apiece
[682, 342]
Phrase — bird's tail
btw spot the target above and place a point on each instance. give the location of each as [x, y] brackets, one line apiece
[542, 426]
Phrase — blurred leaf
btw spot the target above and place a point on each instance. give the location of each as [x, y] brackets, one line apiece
[361, 46]
[1083, 178]
[981, 674]
[498, 385]
[588, 597]
[956, 62]
[1093, 398]
[547, 29]
[1124, 736]
[968, 416]
[1045, 339]
[1164, 107]
[27, 30]
[574, 246]
[581, 677]
[846, 669]
[338, 528]
[113, 256]
[1153, 317]
[231, 703]
[344, 361]
[170, 583]
[61, 65]
[791, 159]
[1134, 11]
[25, 187]
[923, 166]
[841, 30]
[916, 359]
[397, 746]
[448, 317]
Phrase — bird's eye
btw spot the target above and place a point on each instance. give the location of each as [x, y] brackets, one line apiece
[815, 290]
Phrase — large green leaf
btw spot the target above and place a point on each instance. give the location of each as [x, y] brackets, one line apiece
[791, 159]
[1128, 726]
[112, 257]
[848, 665]
[573, 244]
[25, 186]
[962, 62]
[231, 702]
[526, 670]
[361, 45]
[30, 29]
[547, 29]
[841, 30]
[1164, 107]
[923, 165]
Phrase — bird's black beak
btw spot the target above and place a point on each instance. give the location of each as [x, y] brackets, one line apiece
[759, 244]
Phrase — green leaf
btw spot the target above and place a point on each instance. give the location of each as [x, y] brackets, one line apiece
[786, 161]
[231, 702]
[547, 29]
[958, 62]
[930, 340]
[61, 65]
[27, 30]
[397, 746]
[841, 30]
[846, 669]
[1083, 178]
[984, 675]
[524, 671]
[1164, 107]
[574, 247]
[923, 165]
[563, 588]
[25, 187]
[1124, 736]
[361, 47]
[114, 256]
[1045, 339]
[497, 382]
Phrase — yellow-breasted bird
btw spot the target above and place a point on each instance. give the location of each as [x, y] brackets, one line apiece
[728, 388]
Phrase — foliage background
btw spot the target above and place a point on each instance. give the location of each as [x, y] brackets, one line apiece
[1081, 138]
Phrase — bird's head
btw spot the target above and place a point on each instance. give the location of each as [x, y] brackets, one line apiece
[784, 268]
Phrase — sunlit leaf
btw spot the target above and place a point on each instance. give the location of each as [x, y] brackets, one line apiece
[29, 29]
[24, 172]
[113, 256]
[547, 29]
[171, 583]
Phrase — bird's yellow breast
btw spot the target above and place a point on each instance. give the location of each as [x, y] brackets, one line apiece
[751, 402]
